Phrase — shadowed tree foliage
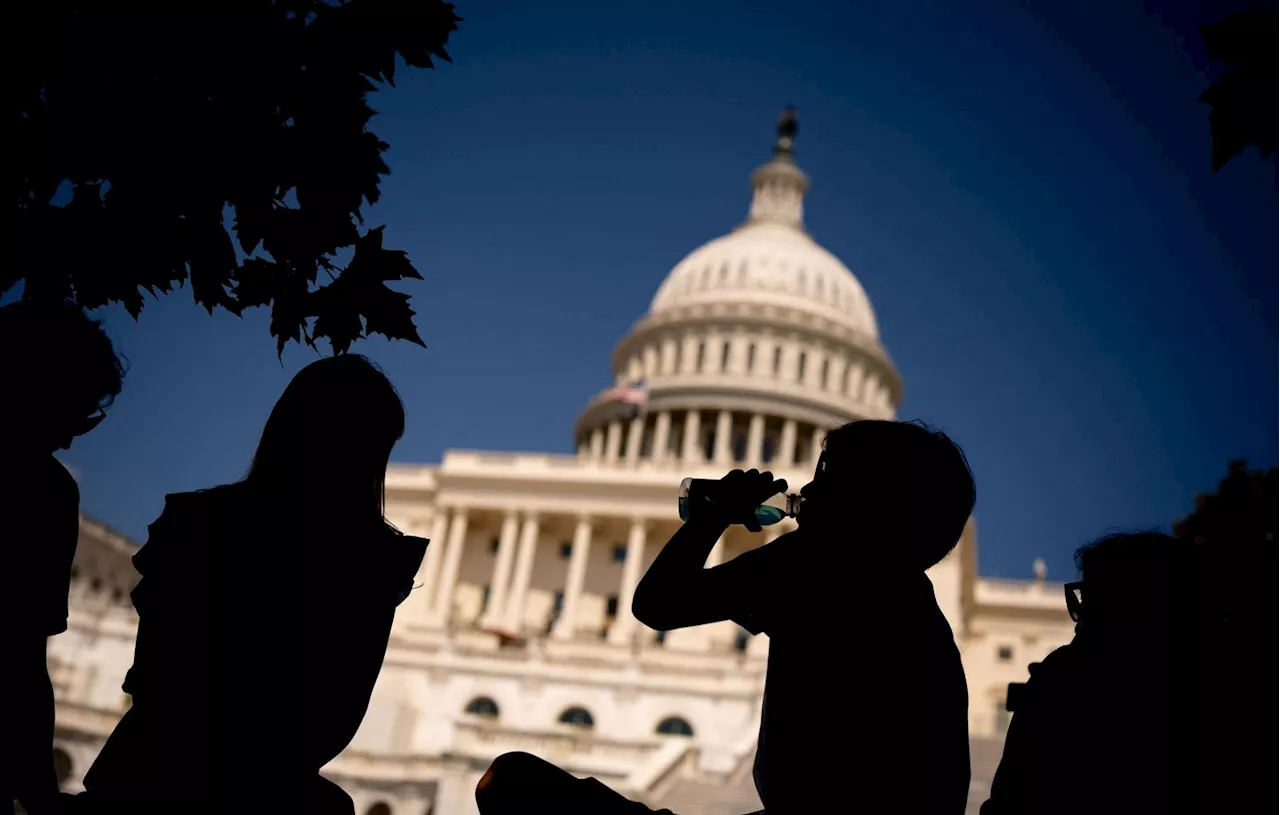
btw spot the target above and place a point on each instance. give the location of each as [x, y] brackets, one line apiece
[1242, 512]
[1244, 97]
[222, 144]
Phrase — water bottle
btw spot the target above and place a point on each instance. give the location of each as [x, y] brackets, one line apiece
[698, 493]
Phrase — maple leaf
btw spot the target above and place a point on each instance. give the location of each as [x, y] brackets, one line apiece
[156, 130]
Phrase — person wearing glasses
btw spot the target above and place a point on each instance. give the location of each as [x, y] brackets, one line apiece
[1108, 723]
[61, 373]
[887, 501]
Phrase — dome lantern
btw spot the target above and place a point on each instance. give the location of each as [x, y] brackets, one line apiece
[779, 186]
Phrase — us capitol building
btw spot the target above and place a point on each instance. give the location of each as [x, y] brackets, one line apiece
[520, 636]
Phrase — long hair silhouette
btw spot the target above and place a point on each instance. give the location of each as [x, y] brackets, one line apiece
[331, 433]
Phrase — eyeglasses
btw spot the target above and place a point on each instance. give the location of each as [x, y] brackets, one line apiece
[1075, 595]
[89, 422]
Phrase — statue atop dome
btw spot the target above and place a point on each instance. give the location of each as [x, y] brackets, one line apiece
[787, 129]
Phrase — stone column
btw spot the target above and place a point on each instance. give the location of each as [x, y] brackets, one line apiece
[430, 573]
[597, 444]
[692, 426]
[755, 440]
[738, 354]
[624, 625]
[661, 436]
[689, 354]
[787, 445]
[650, 361]
[667, 362]
[836, 377]
[565, 626]
[854, 388]
[523, 574]
[724, 429]
[816, 445]
[635, 435]
[700, 638]
[495, 609]
[613, 443]
[443, 606]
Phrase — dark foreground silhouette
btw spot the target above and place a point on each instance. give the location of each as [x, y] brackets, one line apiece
[1129, 717]
[60, 376]
[264, 610]
[887, 501]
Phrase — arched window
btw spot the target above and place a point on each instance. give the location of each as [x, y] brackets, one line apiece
[577, 717]
[724, 356]
[675, 726]
[62, 765]
[751, 357]
[800, 367]
[483, 707]
[380, 808]
[701, 358]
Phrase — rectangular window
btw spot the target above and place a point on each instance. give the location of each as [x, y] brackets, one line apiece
[493, 546]
[751, 357]
[777, 360]
[566, 549]
[611, 606]
[702, 355]
[724, 357]
[1004, 653]
[620, 553]
[800, 367]
[826, 369]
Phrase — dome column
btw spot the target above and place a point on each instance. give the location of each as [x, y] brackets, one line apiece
[816, 445]
[787, 447]
[597, 444]
[692, 426]
[613, 442]
[661, 436]
[724, 428]
[635, 435]
[755, 440]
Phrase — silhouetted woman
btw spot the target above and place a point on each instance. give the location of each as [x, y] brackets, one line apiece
[265, 608]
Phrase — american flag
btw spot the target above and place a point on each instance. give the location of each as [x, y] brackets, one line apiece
[632, 393]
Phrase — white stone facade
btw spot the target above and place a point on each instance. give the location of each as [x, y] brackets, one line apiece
[519, 635]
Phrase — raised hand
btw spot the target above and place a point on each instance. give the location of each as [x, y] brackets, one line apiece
[741, 492]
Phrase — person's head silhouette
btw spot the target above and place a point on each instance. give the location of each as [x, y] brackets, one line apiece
[1131, 580]
[329, 438]
[61, 374]
[901, 487]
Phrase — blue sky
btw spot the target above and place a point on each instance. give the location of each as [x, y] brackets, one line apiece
[1023, 190]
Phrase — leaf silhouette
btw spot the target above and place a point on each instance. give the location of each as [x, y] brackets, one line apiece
[229, 149]
[1244, 98]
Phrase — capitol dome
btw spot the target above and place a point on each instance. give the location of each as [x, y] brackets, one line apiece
[755, 344]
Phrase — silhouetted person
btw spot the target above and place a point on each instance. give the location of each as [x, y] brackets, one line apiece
[60, 375]
[888, 500]
[1113, 722]
[265, 608]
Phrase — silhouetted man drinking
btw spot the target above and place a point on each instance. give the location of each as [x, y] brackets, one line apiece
[859, 649]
